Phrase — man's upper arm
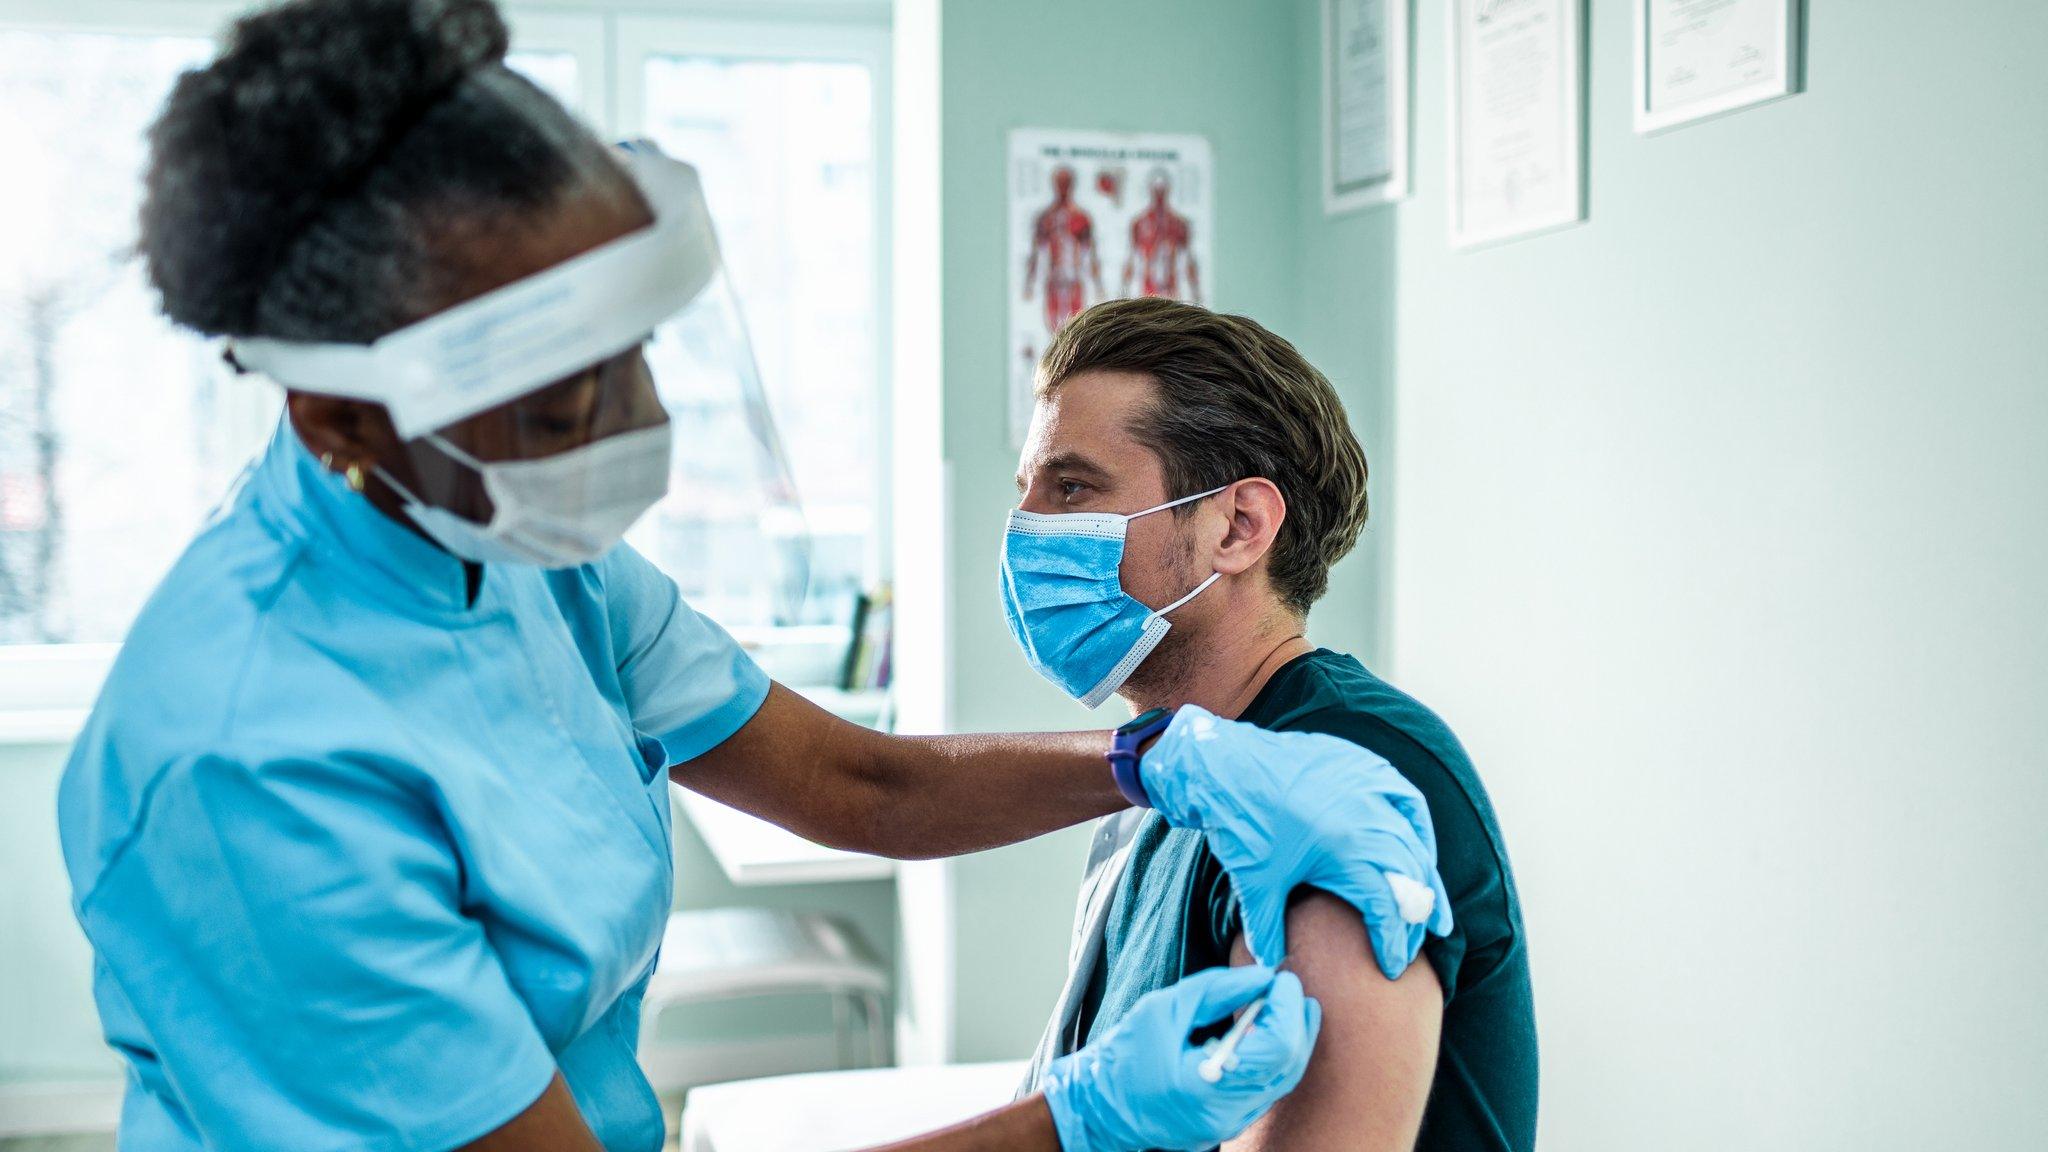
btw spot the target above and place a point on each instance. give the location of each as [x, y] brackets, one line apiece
[1369, 1078]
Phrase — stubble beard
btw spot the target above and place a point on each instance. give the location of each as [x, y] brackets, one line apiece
[1167, 670]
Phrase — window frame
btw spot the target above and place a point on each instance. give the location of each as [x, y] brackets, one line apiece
[204, 18]
[637, 37]
[47, 690]
[583, 35]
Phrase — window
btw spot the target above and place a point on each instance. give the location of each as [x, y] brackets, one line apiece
[787, 153]
[118, 433]
[556, 72]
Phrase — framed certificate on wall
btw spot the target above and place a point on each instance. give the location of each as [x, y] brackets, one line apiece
[1700, 58]
[1365, 103]
[1517, 118]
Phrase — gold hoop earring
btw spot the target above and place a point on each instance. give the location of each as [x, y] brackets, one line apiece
[327, 461]
[354, 475]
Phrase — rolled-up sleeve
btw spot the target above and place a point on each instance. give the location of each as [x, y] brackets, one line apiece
[686, 681]
[290, 936]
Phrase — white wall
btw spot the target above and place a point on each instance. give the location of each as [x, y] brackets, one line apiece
[1721, 535]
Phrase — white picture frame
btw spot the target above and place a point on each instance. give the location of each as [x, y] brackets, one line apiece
[1526, 176]
[1346, 191]
[1740, 55]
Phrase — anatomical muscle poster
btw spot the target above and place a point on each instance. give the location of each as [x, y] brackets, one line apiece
[1096, 216]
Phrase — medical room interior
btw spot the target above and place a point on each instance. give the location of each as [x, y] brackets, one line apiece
[1708, 506]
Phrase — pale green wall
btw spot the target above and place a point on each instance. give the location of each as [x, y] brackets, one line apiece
[1240, 73]
[1343, 299]
[1721, 541]
[47, 1027]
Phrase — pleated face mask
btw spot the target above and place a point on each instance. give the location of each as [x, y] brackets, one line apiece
[558, 511]
[1066, 605]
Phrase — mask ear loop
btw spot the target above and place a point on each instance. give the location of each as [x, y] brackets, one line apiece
[449, 449]
[453, 453]
[1179, 502]
[402, 490]
[1213, 576]
[1199, 589]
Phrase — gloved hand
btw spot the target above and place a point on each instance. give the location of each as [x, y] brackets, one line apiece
[1141, 1086]
[1283, 809]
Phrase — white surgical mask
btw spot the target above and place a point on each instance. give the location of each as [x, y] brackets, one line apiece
[555, 512]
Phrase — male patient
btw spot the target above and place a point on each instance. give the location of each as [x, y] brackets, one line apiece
[1143, 402]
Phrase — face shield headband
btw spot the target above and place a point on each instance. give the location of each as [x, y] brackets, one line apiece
[520, 338]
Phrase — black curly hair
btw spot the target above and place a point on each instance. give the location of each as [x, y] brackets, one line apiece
[297, 183]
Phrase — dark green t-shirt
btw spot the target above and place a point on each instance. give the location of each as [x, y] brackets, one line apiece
[1174, 913]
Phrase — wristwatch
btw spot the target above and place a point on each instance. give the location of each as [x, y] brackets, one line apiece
[1123, 753]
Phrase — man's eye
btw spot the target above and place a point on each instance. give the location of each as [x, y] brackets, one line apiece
[1072, 487]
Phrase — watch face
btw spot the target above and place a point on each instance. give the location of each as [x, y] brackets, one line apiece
[1141, 721]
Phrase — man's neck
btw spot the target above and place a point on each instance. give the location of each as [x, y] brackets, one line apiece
[1226, 672]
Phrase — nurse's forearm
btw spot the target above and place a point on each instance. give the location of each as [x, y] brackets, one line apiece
[1025, 1126]
[549, 1124]
[910, 797]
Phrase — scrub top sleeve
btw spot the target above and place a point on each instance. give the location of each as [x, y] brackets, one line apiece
[290, 937]
[686, 682]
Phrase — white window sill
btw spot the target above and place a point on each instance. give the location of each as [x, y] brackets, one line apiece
[47, 690]
[32, 726]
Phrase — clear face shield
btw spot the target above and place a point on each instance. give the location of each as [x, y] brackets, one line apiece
[534, 428]
[731, 460]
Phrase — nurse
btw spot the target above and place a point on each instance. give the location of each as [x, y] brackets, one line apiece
[369, 829]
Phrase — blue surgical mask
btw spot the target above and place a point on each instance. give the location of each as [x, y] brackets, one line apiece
[1066, 606]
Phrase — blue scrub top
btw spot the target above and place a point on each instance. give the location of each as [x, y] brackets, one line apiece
[363, 864]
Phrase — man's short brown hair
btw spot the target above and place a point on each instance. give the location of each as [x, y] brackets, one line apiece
[1235, 401]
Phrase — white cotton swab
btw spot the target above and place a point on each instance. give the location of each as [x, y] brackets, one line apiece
[1222, 1054]
[1415, 901]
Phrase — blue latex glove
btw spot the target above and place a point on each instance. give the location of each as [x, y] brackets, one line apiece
[1141, 1086]
[1283, 809]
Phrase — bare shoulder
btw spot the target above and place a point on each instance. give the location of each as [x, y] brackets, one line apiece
[1327, 938]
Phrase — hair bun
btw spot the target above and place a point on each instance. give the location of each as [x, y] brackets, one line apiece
[302, 101]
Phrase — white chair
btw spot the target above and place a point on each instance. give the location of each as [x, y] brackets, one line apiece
[830, 1111]
[733, 953]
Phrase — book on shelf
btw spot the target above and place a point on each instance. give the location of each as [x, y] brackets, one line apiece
[866, 666]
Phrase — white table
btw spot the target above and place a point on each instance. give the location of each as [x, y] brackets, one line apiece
[753, 851]
[832, 1111]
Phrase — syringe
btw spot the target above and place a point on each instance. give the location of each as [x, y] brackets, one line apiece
[1222, 1054]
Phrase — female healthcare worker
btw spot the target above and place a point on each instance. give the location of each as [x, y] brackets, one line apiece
[370, 829]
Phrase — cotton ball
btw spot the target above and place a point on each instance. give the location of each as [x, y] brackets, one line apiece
[1416, 901]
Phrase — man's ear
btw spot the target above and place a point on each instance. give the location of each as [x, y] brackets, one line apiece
[1256, 510]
